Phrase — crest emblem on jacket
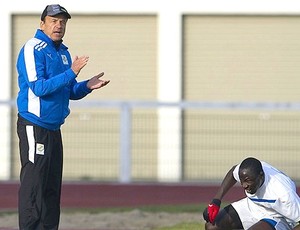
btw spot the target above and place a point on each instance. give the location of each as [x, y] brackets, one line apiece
[64, 59]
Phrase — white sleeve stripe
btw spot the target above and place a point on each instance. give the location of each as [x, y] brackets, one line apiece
[33, 100]
[29, 59]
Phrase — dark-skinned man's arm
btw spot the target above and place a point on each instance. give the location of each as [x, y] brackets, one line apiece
[213, 208]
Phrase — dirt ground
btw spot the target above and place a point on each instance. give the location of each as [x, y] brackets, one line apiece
[131, 220]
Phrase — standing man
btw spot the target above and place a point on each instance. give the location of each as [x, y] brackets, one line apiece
[271, 202]
[47, 81]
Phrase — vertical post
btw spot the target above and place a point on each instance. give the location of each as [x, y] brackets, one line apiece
[5, 107]
[170, 90]
[125, 144]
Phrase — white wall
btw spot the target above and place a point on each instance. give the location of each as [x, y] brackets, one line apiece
[169, 18]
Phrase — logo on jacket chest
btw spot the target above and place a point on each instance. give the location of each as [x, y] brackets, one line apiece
[64, 59]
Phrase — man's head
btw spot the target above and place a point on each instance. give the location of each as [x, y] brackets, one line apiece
[54, 20]
[53, 10]
[251, 174]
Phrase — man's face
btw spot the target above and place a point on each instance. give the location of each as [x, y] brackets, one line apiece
[250, 182]
[54, 26]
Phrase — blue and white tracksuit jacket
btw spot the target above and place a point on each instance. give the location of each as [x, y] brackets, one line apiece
[46, 82]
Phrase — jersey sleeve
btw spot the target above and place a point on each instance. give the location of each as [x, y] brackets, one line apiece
[33, 66]
[79, 90]
[289, 206]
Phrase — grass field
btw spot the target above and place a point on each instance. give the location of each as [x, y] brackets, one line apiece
[156, 213]
[184, 226]
[179, 208]
[154, 209]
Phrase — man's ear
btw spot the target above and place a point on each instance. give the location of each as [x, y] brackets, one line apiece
[42, 23]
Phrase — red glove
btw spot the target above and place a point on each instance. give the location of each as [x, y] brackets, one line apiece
[213, 209]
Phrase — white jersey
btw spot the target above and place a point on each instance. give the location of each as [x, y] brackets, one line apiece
[277, 194]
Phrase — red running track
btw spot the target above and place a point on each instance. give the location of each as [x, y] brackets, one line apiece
[92, 195]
